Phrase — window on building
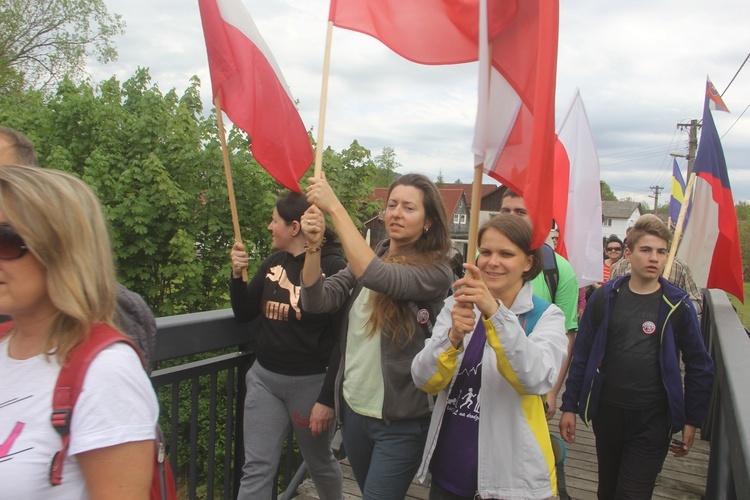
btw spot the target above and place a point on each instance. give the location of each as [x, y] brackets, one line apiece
[456, 218]
[463, 218]
[607, 222]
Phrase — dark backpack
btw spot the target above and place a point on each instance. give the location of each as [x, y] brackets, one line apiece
[134, 318]
[67, 389]
[551, 273]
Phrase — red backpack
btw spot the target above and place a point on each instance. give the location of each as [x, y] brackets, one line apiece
[68, 388]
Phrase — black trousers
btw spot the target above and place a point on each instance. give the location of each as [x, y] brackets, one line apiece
[631, 446]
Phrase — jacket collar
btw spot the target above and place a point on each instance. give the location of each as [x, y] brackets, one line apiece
[524, 300]
[670, 291]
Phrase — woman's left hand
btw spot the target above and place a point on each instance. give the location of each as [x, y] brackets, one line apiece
[321, 419]
[471, 289]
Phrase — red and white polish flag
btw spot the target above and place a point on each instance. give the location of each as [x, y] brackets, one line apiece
[253, 92]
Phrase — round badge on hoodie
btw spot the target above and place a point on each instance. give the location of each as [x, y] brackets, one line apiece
[648, 327]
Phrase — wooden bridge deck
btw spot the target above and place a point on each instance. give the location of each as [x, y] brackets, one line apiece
[681, 478]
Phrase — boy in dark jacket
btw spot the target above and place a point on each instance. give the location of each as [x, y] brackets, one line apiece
[625, 375]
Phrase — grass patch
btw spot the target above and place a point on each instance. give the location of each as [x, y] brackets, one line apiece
[743, 311]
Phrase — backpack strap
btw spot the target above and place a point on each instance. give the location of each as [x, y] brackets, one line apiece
[551, 273]
[528, 321]
[70, 383]
[424, 316]
[530, 318]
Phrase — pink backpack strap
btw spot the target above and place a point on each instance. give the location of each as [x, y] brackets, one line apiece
[70, 383]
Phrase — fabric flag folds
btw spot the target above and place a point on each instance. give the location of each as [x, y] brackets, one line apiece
[715, 102]
[514, 135]
[422, 31]
[711, 243]
[253, 92]
[577, 203]
[677, 195]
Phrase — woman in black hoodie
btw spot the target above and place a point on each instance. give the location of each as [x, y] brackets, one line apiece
[287, 386]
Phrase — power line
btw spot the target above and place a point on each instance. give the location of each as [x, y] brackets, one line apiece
[735, 122]
[735, 75]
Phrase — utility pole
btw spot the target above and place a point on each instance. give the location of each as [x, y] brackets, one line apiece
[656, 195]
[692, 143]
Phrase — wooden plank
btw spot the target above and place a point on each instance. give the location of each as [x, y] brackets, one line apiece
[681, 478]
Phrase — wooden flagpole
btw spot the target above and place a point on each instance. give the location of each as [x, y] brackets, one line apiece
[476, 190]
[680, 222]
[476, 202]
[317, 171]
[228, 173]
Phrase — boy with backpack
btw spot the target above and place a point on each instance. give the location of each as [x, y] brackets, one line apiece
[625, 375]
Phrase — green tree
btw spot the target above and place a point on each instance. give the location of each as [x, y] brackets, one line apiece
[43, 40]
[352, 174]
[439, 182]
[607, 194]
[154, 161]
[386, 166]
[743, 220]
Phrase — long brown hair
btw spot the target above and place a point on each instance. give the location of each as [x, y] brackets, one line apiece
[431, 248]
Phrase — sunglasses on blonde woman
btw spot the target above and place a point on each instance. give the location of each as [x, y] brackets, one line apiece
[11, 243]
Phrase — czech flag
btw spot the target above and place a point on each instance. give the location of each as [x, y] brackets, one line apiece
[711, 244]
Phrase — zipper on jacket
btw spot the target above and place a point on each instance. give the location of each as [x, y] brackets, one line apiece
[586, 419]
[672, 309]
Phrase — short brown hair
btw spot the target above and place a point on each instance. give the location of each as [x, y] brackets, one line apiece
[645, 225]
[518, 231]
[22, 146]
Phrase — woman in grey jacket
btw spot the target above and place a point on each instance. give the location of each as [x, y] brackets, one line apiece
[389, 296]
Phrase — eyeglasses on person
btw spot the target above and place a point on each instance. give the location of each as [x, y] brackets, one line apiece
[614, 249]
[12, 245]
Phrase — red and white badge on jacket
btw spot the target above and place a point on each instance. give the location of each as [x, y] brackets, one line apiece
[648, 327]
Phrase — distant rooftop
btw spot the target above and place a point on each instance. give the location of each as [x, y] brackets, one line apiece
[618, 209]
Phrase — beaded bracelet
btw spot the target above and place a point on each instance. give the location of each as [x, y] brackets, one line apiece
[313, 250]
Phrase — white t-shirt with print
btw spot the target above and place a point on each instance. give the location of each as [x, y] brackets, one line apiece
[117, 405]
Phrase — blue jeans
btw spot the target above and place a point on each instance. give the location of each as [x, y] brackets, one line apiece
[384, 457]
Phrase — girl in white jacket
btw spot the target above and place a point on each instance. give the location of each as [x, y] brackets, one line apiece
[495, 350]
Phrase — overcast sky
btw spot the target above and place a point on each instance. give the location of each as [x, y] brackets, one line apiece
[640, 66]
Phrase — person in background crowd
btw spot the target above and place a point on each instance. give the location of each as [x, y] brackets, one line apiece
[290, 384]
[58, 284]
[497, 346]
[613, 251]
[390, 297]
